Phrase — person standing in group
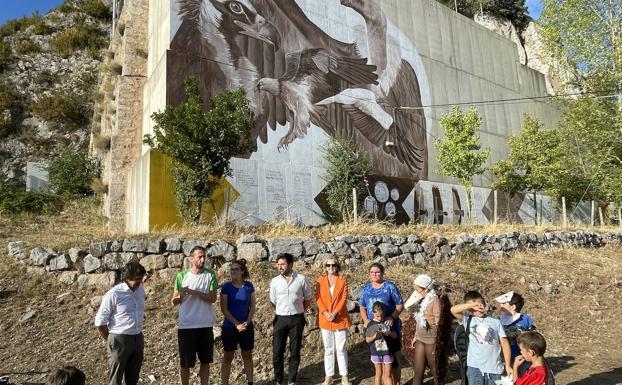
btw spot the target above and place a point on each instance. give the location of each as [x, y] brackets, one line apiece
[379, 289]
[194, 291]
[237, 302]
[432, 328]
[331, 295]
[119, 321]
[290, 296]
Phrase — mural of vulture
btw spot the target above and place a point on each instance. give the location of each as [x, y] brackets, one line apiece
[311, 76]
[272, 46]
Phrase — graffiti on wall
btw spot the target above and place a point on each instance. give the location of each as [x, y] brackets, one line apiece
[308, 79]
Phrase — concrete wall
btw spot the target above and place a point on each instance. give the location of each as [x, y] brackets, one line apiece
[455, 61]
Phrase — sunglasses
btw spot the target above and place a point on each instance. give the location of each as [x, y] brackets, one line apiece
[330, 265]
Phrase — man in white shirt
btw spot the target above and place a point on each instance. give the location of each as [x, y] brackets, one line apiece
[195, 293]
[290, 295]
[119, 321]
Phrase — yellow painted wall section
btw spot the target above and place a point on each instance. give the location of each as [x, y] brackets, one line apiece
[163, 211]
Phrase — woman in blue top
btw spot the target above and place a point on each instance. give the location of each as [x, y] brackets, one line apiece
[237, 302]
[379, 289]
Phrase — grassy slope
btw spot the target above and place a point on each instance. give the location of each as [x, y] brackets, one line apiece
[578, 321]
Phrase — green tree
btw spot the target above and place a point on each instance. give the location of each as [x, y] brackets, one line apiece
[201, 143]
[347, 168]
[537, 162]
[458, 153]
[589, 34]
[71, 172]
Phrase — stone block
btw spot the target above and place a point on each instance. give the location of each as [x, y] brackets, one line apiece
[222, 249]
[347, 238]
[116, 261]
[172, 244]
[116, 245]
[339, 248]
[153, 262]
[135, 245]
[189, 244]
[246, 238]
[98, 249]
[374, 239]
[175, 260]
[155, 246]
[398, 240]
[252, 252]
[313, 246]
[17, 249]
[61, 262]
[76, 254]
[91, 263]
[40, 256]
[366, 250]
[280, 246]
[103, 280]
[388, 249]
[411, 248]
[68, 277]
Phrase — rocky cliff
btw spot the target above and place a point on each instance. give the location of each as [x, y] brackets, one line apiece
[49, 67]
[532, 53]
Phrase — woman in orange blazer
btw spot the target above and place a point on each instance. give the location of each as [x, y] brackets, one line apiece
[331, 295]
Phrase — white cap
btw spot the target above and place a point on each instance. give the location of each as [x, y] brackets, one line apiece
[424, 281]
[505, 298]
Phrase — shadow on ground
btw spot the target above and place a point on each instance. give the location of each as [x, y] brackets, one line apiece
[611, 377]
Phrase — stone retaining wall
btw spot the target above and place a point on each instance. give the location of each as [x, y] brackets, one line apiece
[100, 263]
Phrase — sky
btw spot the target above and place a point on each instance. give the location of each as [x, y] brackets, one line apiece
[14, 9]
[534, 8]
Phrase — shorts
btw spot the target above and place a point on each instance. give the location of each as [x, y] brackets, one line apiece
[193, 343]
[232, 338]
[386, 359]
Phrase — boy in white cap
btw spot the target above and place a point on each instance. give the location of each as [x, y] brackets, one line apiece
[514, 322]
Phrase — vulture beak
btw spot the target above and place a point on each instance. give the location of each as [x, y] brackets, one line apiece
[261, 30]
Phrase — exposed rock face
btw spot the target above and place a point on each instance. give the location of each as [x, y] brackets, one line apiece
[532, 53]
[37, 72]
[557, 75]
[504, 28]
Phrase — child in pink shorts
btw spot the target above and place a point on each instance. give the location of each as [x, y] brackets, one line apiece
[376, 335]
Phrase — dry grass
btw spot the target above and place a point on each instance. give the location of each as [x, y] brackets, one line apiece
[82, 221]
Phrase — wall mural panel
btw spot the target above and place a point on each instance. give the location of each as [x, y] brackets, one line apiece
[308, 78]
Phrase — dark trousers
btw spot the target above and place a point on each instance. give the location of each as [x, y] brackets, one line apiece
[284, 327]
[125, 358]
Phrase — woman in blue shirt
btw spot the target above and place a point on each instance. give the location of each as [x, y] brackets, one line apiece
[237, 302]
[381, 290]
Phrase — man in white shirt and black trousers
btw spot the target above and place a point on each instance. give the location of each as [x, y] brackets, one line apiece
[119, 321]
[290, 295]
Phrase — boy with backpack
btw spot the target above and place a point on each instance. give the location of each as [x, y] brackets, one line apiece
[486, 341]
[532, 347]
[514, 322]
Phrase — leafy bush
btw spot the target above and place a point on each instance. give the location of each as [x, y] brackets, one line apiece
[347, 168]
[513, 10]
[10, 110]
[81, 37]
[71, 173]
[16, 25]
[14, 200]
[67, 110]
[96, 9]
[26, 47]
[6, 54]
